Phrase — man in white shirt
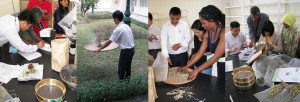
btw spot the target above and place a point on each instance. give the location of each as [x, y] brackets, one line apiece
[153, 37]
[175, 39]
[10, 26]
[234, 40]
[122, 35]
[38, 13]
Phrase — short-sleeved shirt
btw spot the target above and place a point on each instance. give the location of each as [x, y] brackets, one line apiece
[46, 5]
[123, 36]
[154, 44]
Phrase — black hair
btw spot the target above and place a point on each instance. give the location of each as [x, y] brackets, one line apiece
[254, 10]
[150, 16]
[198, 25]
[268, 27]
[28, 16]
[234, 24]
[118, 14]
[62, 8]
[212, 12]
[37, 11]
[175, 11]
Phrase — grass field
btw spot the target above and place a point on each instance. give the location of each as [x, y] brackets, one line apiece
[98, 72]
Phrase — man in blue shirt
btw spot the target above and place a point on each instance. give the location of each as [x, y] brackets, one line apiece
[255, 24]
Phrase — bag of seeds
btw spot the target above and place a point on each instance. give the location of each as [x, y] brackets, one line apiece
[264, 67]
[160, 68]
[60, 53]
[278, 93]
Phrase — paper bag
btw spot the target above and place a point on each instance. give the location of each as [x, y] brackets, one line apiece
[60, 53]
[262, 52]
[152, 95]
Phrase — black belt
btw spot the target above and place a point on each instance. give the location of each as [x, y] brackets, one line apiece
[154, 49]
[179, 53]
[127, 49]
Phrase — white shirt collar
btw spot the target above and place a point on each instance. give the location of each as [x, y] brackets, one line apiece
[233, 36]
[120, 23]
[151, 26]
[170, 24]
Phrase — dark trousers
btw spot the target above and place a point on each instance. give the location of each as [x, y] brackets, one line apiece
[153, 52]
[221, 69]
[1, 53]
[178, 60]
[256, 38]
[125, 60]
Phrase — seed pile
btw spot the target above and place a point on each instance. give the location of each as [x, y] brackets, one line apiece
[275, 90]
[180, 92]
[294, 92]
[177, 77]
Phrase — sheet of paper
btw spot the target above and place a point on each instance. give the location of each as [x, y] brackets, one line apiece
[287, 75]
[228, 66]
[18, 73]
[222, 59]
[214, 70]
[46, 48]
[7, 72]
[45, 32]
[30, 55]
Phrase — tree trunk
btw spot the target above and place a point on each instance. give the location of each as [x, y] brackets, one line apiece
[82, 15]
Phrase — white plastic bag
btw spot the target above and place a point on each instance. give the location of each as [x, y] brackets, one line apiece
[4, 95]
[262, 96]
[264, 67]
[68, 23]
[160, 68]
[295, 62]
[246, 54]
[45, 32]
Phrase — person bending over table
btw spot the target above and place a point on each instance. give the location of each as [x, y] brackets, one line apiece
[213, 22]
[273, 40]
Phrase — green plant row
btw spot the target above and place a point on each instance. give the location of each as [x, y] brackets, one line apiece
[108, 90]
